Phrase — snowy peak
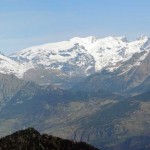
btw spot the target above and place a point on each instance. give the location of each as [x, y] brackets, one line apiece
[143, 38]
[8, 66]
[44, 48]
[83, 41]
[123, 39]
[68, 57]
[79, 56]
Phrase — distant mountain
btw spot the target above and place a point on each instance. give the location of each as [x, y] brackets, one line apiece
[96, 118]
[90, 117]
[11, 67]
[32, 94]
[48, 108]
[131, 77]
[9, 86]
[36, 91]
[68, 62]
[142, 97]
[134, 143]
[89, 54]
[32, 140]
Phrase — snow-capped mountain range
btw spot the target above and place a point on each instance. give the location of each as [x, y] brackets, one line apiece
[75, 57]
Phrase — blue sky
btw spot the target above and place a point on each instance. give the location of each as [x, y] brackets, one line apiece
[25, 23]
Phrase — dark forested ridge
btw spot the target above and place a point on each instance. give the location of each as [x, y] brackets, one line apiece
[30, 139]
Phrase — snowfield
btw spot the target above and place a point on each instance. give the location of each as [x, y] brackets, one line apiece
[87, 54]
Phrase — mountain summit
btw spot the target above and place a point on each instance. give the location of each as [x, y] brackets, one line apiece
[71, 60]
[90, 54]
[31, 139]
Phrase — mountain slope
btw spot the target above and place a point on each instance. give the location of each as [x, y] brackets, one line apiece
[8, 66]
[50, 108]
[31, 139]
[134, 143]
[96, 120]
[77, 58]
[99, 122]
[104, 52]
[67, 63]
[65, 56]
[9, 86]
[131, 77]
[90, 111]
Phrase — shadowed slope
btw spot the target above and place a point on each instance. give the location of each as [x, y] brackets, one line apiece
[32, 140]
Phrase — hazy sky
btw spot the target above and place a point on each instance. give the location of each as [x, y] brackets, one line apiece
[25, 23]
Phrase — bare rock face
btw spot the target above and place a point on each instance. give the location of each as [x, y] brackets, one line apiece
[9, 86]
[132, 77]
